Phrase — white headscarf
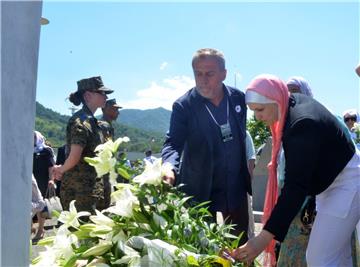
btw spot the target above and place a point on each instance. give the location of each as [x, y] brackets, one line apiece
[302, 84]
[351, 112]
[39, 142]
[254, 97]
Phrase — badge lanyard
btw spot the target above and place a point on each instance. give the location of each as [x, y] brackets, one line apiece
[225, 129]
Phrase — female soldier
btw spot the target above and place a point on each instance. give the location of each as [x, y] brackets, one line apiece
[83, 135]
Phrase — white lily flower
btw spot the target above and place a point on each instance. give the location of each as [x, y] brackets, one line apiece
[70, 218]
[153, 173]
[47, 258]
[159, 253]
[97, 263]
[113, 175]
[161, 207]
[119, 237]
[112, 146]
[125, 202]
[159, 220]
[103, 163]
[131, 257]
[62, 243]
[101, 219]
[98, 250]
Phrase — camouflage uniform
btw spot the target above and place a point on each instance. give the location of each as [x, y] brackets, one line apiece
[108, 132]
[107, 129]
[81, 182]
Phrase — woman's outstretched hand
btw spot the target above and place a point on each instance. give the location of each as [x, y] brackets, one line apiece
[252, 248]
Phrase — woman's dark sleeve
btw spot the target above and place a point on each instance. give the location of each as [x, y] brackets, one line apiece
[302, 150]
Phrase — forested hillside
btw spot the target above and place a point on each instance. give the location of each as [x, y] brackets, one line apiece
[53, 126]
[154, 120]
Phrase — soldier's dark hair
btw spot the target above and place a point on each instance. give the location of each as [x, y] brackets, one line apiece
[209, 53]
[76, 98]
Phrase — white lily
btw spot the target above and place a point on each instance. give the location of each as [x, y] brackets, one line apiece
[159, 253]
[119, 237]
[47, 258]
[98, 250]
[159, 220]
[111, 145]
[103, 163]
[153, 173]
[70, 218]
[101, 219]
[125, 202]
[63, 243]
[97, 263]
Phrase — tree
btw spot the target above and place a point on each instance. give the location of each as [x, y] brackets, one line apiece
[258, 131]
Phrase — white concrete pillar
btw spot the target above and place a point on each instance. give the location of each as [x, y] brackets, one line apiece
[20, 32]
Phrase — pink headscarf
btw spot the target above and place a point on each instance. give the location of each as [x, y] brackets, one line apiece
[276, 90]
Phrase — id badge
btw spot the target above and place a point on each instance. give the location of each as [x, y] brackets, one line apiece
[226, 132]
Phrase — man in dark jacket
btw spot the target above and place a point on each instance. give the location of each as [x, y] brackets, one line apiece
[207, 131]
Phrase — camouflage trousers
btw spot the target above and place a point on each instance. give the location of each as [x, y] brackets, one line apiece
[86, 191]
[104, 202]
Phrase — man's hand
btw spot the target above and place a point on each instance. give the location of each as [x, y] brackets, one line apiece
[169, 177]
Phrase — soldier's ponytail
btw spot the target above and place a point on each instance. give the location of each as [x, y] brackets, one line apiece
[76, 98]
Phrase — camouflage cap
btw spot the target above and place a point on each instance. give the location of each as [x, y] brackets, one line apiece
[93, 84]
[112, 103]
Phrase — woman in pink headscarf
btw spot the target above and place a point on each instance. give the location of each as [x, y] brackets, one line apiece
[321, 160]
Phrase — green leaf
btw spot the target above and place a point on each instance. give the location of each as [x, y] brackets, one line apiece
[235, 243]
[123, 172]
[55, 213]
[190, 248]
[71, 262]
[36, 260]
[191, 260]
[91, 160]
[46, 241]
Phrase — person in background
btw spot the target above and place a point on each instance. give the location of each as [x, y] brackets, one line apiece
[351, 118]
[149, 158]
[83, 135]
[298, 84]
[37, 206]
[250, 157]
[357, 70]
[110, 114]
[60, 159]
[207, 131]
[305, 128]
[43, 162]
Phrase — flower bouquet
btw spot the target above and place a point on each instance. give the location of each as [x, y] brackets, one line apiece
[149, 224]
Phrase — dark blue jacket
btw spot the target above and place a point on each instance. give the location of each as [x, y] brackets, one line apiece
[189, 134]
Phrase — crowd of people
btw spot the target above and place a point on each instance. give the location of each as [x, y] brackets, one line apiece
[206, 145]
[312, 199]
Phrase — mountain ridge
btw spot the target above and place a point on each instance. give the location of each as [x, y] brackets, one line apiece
[142, 135]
